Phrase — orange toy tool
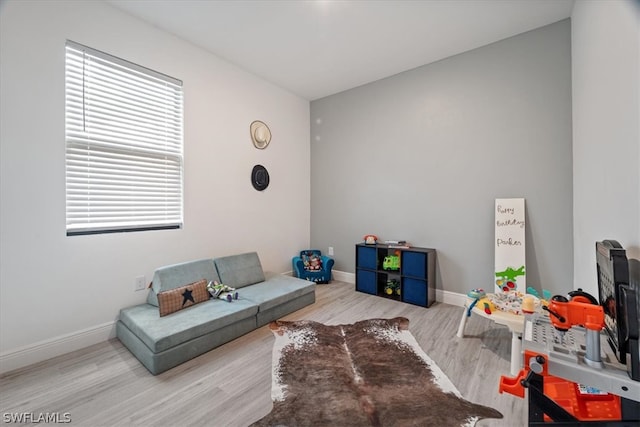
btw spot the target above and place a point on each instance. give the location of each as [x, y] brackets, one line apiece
[565, 313]
[581, 310]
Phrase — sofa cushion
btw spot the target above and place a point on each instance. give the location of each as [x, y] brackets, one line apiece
[174, 276]
[185, 296]
[240, 270]
[276, 290]
[161, 333]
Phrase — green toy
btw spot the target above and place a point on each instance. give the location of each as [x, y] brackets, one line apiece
[507, 278]
[393, 286]
[218, 290]
[391, 262]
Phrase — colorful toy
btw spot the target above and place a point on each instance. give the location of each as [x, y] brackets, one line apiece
[516, 302]
[533, 291]
[312, 263]
[486, 304]
[478, 294]
[391, 262]
[393, 286]
[546, 295]
[218, 290]
[370, 239]
[528, 304]
[507, 278]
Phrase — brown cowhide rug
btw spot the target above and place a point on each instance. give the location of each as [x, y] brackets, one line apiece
[371, 373]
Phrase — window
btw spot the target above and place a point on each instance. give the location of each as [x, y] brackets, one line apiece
[124, 160]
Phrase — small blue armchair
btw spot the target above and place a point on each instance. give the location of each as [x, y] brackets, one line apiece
[313, 266]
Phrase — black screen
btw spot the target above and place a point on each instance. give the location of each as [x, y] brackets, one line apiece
[613, 272]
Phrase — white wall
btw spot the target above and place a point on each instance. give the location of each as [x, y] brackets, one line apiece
[606, 131]
[58, 293]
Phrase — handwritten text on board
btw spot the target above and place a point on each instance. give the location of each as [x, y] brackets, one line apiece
[509, 245]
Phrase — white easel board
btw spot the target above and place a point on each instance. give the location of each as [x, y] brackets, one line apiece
[509, 245]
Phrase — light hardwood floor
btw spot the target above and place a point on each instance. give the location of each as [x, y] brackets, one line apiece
[104, 385]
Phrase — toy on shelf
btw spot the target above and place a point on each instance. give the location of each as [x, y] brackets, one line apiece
[391, 262]
[392, 287]
[370, 239]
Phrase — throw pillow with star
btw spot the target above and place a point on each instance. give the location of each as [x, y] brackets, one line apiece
[182, 297]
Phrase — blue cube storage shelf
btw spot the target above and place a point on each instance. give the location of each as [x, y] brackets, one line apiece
[415, 277]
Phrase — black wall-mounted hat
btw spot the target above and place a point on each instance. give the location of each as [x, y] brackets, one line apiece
[259, 177]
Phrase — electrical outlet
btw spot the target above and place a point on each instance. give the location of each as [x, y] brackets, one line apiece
[140, 284]
[330, 252]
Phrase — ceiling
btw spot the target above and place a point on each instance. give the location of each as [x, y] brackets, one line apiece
[316, 48]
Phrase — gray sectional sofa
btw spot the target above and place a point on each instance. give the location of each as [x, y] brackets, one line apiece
[160, 343]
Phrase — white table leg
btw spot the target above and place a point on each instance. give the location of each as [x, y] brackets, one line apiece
[463, 323]
[516, 353]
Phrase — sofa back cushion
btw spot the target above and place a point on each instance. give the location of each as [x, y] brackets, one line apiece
[177, 275]
[185, 296]
[240, 270]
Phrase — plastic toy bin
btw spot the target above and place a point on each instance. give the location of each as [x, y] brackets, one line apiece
[366, 282]
[366, 258]
[413, 264]
[414, 291]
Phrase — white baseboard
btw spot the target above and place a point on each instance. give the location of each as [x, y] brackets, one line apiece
[452, 298]
[57, 346]
[343, 276]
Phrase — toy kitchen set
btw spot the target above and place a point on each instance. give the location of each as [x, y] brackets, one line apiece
[581, 357]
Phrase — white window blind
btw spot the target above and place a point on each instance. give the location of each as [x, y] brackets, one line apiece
[124, 157]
